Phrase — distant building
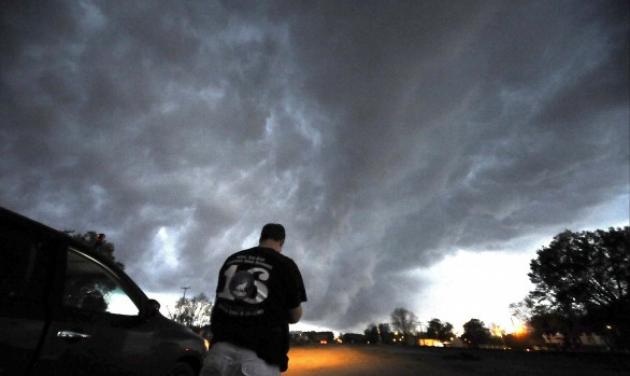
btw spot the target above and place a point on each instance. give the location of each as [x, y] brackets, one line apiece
[555, 340]
[322, 338]
[455, 342]
[430, 342]
[592, 340]
[587, 340]
[298, 338]
[304, 338]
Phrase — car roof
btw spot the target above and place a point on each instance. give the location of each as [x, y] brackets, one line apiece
[45, 231]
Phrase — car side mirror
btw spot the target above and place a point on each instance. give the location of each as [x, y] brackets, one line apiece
[151, 308]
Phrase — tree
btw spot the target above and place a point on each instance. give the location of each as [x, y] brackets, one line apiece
[475, 333]
[385, 333]
[193, 313]
[438, 330]
[97, 242]
[523, 310]
[372, 334]
[581, 281]
[404, 321]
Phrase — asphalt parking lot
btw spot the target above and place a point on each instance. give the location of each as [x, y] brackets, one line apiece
[334, 360]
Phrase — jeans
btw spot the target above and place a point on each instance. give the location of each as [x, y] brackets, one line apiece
[226, 359]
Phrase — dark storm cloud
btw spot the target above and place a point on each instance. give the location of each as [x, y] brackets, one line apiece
[384, 135]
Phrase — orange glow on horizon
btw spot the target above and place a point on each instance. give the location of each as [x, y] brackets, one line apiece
[521, 330]
[497, 331]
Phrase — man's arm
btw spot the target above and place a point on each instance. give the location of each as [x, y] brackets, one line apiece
[296, 294]
[295, 314]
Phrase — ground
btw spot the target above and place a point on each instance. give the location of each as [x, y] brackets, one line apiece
[335, 360]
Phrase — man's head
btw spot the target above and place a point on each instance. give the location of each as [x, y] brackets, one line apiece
[272, 236]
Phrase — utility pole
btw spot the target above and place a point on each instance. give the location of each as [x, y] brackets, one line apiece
[186, 288]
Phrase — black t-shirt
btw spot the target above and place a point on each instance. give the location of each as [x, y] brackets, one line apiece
[257, 287]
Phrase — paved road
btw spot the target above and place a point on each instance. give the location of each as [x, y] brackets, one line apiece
[400, 361]
[347, 361]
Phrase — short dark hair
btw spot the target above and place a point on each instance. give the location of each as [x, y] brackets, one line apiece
[274, 231]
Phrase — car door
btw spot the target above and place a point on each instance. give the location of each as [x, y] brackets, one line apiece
[26, 272]
[97, 328]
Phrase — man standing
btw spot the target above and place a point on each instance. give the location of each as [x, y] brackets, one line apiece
[259, 293]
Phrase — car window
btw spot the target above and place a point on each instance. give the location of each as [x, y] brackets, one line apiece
[91, 286]
[24, 273]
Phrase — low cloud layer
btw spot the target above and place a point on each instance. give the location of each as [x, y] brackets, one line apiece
[383, 135]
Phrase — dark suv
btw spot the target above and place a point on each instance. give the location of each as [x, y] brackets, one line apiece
[67, 310]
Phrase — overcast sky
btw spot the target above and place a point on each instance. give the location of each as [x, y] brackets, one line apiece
[394, 139]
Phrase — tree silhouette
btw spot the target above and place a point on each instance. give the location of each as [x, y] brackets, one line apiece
[437, 329]
[372, 334]
[475, 333]
[540, 319]
[385, 333]
[581, 281]
[97, 242]
[404, 321]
